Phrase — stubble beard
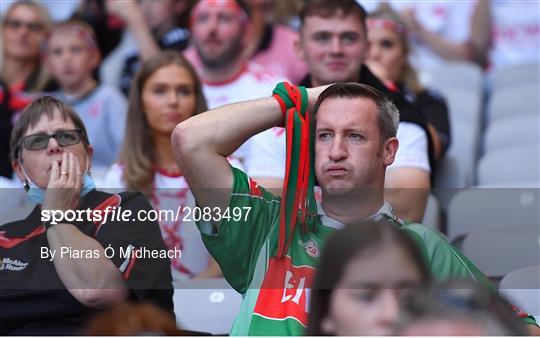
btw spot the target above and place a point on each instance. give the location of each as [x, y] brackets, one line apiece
[226, 58]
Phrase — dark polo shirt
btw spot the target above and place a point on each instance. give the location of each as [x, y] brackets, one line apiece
[33, 299]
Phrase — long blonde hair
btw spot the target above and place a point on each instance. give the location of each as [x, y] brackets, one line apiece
[43, 78]
[137, 154]
[408, 76]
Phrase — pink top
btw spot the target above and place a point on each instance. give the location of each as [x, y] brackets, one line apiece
[281, 57]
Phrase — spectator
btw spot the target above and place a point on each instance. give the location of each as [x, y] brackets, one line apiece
[71, 55]
[515, 30]
[24, 25]
[108, 29]
[333, 41]
[388, 60]
[59, 11]
[457, 308]
[272, 45]
[54, 295]
[444, 31]
[363, 273]
[267, 256]
[219, 36]
[7, 115]
[153, 26]
[165, 92]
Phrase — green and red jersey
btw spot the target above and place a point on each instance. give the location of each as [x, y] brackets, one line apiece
[276, 290]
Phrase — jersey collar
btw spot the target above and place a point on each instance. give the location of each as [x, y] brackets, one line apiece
[386, 210]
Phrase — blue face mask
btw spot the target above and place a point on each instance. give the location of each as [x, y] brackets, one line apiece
[37, 195]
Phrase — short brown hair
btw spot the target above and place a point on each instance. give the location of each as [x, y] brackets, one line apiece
[329, 8]
[45, 105]
[387, 113]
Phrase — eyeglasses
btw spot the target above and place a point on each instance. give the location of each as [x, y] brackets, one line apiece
[34, 27]
[40, 141]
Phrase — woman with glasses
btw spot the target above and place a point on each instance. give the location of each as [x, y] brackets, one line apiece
[364, 271]
[24, 26]
[76, 252]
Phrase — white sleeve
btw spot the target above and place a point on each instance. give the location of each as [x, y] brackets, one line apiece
[235, 162]
[267, 154]
[113, 178]
[413, 148]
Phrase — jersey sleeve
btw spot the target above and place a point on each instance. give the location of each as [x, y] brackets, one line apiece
[134, 246]
[238, 242]
[413, 148]
[444, 261]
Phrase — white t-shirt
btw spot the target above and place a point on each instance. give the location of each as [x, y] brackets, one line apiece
[413, 148]
[515, 33]
[448, 19]
[253, 82]
[171, 193]
[412, 152]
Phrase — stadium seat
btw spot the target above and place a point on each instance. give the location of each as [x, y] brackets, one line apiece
[508, 165]
[522, 288]
[516, 75]
[432, 215]
[500, 250]
[206, 305]
[464, 106]
[463, 75]
[456, 169]
[483, 208]
[520, 99]
[512, 131]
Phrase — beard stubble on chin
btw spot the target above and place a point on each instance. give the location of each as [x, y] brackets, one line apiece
[226, 58]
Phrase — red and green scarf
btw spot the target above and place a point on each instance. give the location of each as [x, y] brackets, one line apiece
[298, 205]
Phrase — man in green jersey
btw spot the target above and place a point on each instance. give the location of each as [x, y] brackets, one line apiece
[355, 129]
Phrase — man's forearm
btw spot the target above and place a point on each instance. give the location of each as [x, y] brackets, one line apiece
[222, 130]
[202, 143]
[85, 270]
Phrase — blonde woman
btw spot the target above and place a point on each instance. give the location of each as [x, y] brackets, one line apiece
[165, 92]
[388, 60]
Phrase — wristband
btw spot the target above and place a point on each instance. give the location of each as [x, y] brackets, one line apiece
[290, 97]
[48, 224]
